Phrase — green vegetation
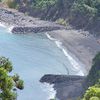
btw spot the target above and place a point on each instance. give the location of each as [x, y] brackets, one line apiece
[90, 8]
[93, 93]
[34, 3]
[93, 81]
[94, 74]
[10, 3]
[8, 84]
[43, 3]
[61, 21]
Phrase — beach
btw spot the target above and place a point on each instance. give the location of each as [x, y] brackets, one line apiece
[80, 45]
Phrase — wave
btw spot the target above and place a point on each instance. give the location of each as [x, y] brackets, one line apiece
[51, 38]
[2, 25]
[50, 90]
[75, 64]
[8, 27]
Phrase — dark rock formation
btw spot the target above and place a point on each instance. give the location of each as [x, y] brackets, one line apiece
[33, 29]
[26, 24]
[67, 87]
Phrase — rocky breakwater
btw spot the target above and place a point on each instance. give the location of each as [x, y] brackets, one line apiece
[24, 24]
[23, 30]
[68, 87]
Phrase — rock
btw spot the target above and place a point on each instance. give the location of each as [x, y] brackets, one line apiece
[26, 24]
[22, 30]
[68, 87]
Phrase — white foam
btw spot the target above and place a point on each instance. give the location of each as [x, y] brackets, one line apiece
[9, 28]
[2, 25]
[76, 65]
[48, 36]
[58, 43]
[50, 90]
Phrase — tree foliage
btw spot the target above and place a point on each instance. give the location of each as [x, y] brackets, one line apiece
[93, 93]
[8, 84]
[43, 3]
[31, 3]
[88, 7]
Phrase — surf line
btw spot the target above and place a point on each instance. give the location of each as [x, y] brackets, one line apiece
[74, 63]
[8, 27]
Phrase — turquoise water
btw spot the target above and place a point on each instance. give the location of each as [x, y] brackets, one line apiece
[33, 55]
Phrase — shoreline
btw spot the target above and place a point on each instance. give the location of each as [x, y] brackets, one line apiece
[82, 48]
[74, 61]
[5, 25]
[49, 88]
[52, 89]
[67, 87]
[23, 24]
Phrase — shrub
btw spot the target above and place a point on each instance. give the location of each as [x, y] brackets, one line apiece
[94, 98]
[61, 21]
[91, 92]
[11, 3]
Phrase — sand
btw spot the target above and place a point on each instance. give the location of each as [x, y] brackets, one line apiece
[79, 44]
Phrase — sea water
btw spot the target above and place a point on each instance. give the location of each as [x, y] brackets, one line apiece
[34, 55]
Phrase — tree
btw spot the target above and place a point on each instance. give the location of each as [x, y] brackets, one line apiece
[8, 84]
[92, 92]
[43, 3]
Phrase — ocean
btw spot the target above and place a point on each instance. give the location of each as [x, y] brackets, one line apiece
[34, 55]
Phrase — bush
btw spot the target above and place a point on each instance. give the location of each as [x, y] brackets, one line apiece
[11, 3]
[61, 22]
[94, 98]
[93, 93]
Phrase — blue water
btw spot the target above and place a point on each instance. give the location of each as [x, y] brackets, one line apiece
[33, 55]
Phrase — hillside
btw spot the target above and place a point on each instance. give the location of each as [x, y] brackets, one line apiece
[80, 14]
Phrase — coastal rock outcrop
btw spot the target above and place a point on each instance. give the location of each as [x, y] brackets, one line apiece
[26, 24]
[23, 30]
[68, 87]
